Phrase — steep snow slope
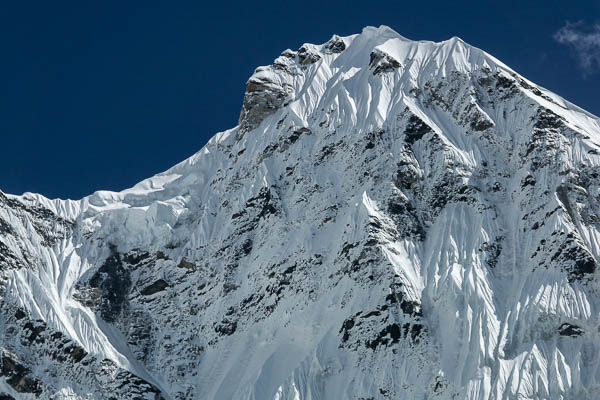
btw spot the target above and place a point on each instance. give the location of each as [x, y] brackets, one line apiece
[390, 219]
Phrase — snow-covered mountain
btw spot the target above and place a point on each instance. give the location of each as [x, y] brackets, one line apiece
[390, 219]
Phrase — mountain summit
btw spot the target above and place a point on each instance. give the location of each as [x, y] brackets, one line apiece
[390, 219]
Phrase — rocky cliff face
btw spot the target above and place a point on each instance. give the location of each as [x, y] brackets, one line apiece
[390, 219]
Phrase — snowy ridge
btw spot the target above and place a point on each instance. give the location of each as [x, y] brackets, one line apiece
[389, 219]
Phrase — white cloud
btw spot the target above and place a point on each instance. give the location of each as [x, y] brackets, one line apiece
[585, 43]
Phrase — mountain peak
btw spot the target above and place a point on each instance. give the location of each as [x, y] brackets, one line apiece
[378, 60]
[383, 31]
[389, 219]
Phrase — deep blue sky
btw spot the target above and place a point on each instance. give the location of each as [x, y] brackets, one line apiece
[100, 95]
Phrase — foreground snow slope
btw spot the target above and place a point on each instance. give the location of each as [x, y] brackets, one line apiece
[390, 219]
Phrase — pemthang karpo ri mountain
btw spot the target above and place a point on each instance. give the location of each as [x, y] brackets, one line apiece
[390, 219]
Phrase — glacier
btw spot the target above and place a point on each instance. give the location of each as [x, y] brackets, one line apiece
[389, 219]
